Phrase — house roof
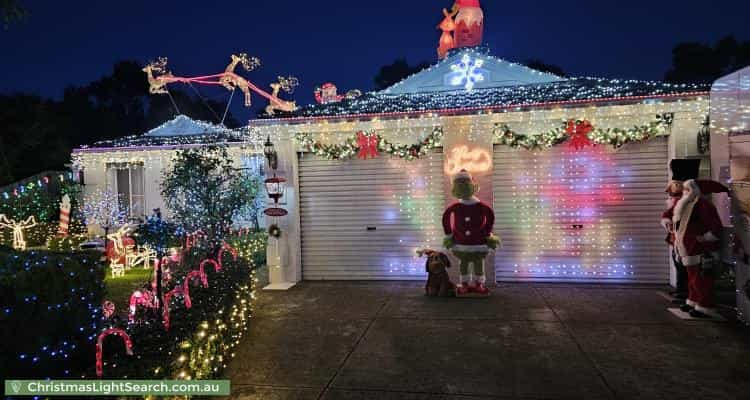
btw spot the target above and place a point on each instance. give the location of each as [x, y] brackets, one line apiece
[180, 131]
[496, 83]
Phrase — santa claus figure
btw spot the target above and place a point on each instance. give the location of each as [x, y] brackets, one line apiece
[469, 23]
[682, 170]
[468, 227]
[697, 229]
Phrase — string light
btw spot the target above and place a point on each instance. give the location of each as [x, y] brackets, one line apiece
[612, 136]
[18, 228]
[351, 146]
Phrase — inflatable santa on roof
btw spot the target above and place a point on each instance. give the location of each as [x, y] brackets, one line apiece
[469, 23]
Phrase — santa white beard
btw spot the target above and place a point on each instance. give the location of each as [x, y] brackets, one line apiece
[682, 206]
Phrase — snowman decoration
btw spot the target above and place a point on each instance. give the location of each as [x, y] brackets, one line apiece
[467, 224]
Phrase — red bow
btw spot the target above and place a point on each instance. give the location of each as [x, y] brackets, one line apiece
[578, 132]
[368, 145]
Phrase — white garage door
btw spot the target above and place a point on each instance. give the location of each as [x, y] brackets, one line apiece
[581, 215]
[365, 219]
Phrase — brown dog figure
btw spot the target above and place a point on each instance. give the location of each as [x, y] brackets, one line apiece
[438, 282]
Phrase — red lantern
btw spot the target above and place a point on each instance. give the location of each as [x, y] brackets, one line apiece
[275, 187]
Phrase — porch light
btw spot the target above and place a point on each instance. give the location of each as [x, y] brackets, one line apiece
[270, 152]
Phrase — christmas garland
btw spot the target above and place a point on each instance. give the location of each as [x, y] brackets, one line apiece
[581, 133]
[366, 145]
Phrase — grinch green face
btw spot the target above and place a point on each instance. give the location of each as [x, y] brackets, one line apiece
[464, 189]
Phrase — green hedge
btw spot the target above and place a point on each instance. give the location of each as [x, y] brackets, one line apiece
[50, 311]
[203, 334]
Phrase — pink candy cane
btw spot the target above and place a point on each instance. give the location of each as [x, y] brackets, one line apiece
[217, 266]
[139, 298]
[230, 249]
[199, 274]
[167, 297]
[112, 331]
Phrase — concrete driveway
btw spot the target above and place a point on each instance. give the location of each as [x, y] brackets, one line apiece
[339, 340]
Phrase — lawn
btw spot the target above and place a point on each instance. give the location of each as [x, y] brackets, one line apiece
[118, 290]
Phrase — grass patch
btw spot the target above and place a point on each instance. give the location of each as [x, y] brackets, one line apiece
[118, 290]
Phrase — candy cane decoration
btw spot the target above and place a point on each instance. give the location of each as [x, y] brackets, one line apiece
[139, 298]
[112, 331]
[166, 273]
[168, 297]
[62, 230]
[191, 239]
[217, 266]
[197, 273]
[226, 247]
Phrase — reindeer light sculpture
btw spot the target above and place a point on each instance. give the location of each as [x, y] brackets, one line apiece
[158, 79]
[18, 227]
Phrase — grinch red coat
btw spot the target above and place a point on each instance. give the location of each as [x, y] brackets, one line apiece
[469, 223]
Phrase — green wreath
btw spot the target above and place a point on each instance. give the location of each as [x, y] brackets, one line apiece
[351, 148]
[274, 231]
[615, 137]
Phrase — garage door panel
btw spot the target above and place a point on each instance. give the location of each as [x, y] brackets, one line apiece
[581, 215]
[365, 219]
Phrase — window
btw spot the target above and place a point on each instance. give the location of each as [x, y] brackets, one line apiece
[126, 179]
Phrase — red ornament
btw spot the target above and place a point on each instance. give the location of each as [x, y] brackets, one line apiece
[368, 145]
[578, 131]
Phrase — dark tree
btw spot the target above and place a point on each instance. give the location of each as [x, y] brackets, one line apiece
[38, 134]
[393, 73]
[700, 63]
[11, 11]
[540, 65]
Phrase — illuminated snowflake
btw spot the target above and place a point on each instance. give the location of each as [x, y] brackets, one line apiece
[467, 72]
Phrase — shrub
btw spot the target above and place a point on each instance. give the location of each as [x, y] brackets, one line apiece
[203, 334]
[65, 244]
[50, 311]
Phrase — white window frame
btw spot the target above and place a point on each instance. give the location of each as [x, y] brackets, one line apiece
[134, 201]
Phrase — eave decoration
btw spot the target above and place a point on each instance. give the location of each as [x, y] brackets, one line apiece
[579, 133]
[370, 145]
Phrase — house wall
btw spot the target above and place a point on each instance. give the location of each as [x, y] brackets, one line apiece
[155, 162]
[476, 132]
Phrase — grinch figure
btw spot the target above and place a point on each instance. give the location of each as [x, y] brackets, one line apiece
[468, 227]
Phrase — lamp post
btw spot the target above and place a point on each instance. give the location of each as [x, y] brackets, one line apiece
[275, 187]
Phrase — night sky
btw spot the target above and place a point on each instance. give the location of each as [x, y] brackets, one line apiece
[63, 43]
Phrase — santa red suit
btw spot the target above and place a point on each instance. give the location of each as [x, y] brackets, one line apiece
[697, 228]
[681, 278]
[469, 23]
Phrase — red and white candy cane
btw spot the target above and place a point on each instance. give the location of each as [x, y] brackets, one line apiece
[62, 230]
[191, 239]
[167, 299]
[199, 274]
[112, 331]
[230, 249]
[140, 298]
[217, 266]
